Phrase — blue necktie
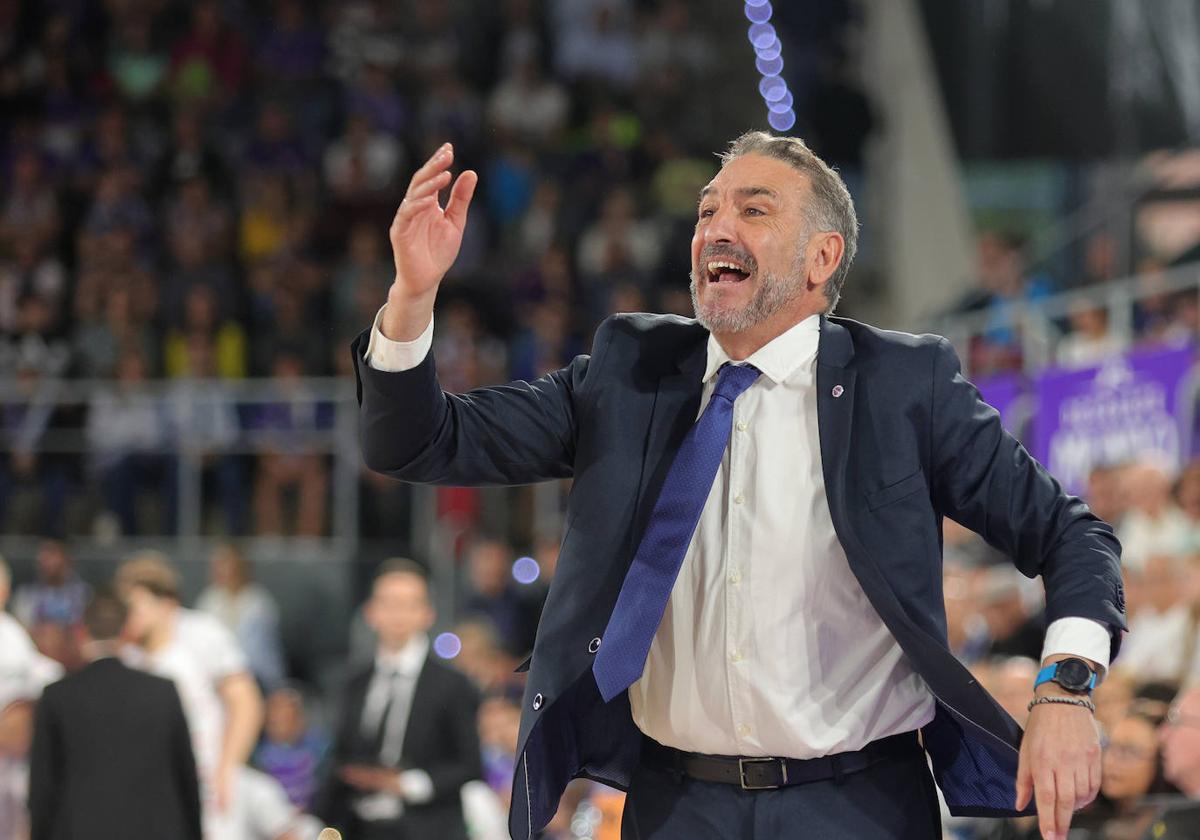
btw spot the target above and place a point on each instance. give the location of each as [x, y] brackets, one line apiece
[651, 576]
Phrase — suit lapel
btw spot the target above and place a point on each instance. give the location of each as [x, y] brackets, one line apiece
[835, 409]
[421, 711]
[676, 405]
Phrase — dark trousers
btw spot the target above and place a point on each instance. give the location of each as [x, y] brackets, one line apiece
[893, 799]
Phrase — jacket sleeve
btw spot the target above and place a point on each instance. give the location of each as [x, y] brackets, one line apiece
[984, 478]
[518, 433]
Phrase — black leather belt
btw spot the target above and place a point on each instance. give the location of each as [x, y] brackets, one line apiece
[756, 773]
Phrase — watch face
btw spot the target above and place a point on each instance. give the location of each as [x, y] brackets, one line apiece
[1073, 675]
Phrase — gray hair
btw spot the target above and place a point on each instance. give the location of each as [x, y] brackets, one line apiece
[831, 207]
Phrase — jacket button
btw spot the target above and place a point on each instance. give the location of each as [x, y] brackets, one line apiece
[594, 645]
[537, 701]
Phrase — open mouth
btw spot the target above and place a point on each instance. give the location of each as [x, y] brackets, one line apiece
[726, 271]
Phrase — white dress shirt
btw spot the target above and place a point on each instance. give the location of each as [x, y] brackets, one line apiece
[390, 693]
[768, 645]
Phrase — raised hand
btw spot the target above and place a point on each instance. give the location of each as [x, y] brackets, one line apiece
[425, 241]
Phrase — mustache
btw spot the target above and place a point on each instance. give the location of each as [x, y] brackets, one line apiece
[714, 252]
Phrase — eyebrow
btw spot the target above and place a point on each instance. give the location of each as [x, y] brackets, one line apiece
[743, 192]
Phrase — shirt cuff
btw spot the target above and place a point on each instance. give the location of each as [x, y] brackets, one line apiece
[1078, 637]
[396, 356]
[416, 786]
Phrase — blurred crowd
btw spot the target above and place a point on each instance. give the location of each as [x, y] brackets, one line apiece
[200, 192]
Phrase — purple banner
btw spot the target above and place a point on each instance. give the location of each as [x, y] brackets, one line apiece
[1129, 408]
[1003, 392]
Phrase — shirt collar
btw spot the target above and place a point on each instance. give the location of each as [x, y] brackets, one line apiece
[780, 357]
[408, 660]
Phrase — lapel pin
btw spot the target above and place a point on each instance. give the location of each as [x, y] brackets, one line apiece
[838, 390]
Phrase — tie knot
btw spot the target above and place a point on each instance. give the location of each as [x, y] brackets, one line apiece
[733, 380]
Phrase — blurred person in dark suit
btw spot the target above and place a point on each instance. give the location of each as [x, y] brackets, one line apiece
[407, 740]
[112, 755]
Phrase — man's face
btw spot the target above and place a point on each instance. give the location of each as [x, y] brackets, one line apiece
[53, 563]
[399, 609]
[1181, 744]
[147, 613]
[751, 215]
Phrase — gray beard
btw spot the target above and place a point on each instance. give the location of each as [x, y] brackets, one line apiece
[772, 295]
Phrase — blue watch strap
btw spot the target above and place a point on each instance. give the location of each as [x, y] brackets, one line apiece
[1047, 675]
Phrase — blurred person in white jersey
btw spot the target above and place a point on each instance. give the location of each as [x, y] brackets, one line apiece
[221, 699]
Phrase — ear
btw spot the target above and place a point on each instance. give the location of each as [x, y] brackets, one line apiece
[825, 251]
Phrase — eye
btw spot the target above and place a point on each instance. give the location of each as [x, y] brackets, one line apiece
[753, 211]
[705, 212]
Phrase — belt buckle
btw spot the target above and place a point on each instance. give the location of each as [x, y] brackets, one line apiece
[742, 762]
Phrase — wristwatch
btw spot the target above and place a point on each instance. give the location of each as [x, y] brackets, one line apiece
[1074, 675]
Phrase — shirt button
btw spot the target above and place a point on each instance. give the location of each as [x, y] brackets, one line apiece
[738, 499]
[537, 701]
[735, 577]
[594, 645]
[742, 425]
[736, 656]
[743, 730]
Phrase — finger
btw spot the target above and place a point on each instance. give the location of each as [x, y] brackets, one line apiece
[1065, 805]
[1083, 788]
[1094, 777]
[429, 186]
[439, 161]
[408, 209]
[460, 197]
[1044, 793]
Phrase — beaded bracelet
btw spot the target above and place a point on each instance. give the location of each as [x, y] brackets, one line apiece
[1068, 701]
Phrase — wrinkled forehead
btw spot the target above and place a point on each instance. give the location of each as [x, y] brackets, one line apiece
[757, 175]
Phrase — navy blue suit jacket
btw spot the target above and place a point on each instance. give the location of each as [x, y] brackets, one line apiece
[908, 441]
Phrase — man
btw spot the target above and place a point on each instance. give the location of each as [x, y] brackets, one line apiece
[111, 755]
[194, 650]
[59, 594]
[1180, 738]
[407, 740]
[746, 628]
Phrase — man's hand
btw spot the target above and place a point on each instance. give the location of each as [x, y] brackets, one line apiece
[1060, 762]
[364, 777]
[425, 242]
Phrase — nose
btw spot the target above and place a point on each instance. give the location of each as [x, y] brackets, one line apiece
[720, 227]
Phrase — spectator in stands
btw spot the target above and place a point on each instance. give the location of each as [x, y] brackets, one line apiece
[25, 420]
[58, 596]
[499, 726]
[220, 698]
[1013, 629]
[288, 461]
[203, 315]
[1180, 737]
[292, 750]
[407, 741]
[484, 658]
[102, 336]
[1089, 340]
[261, 810]
[127, 433]
[111, 753]
[362, 163]
[193, 267]
[366, 272]
[1105, 493]
[248, 611]
[1162, 623]
[209, 62]
[32, 272]
[493, 593]
[190, 156]
[1153, 523]
[1132, 769]
[526, 105]
[30, 211]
